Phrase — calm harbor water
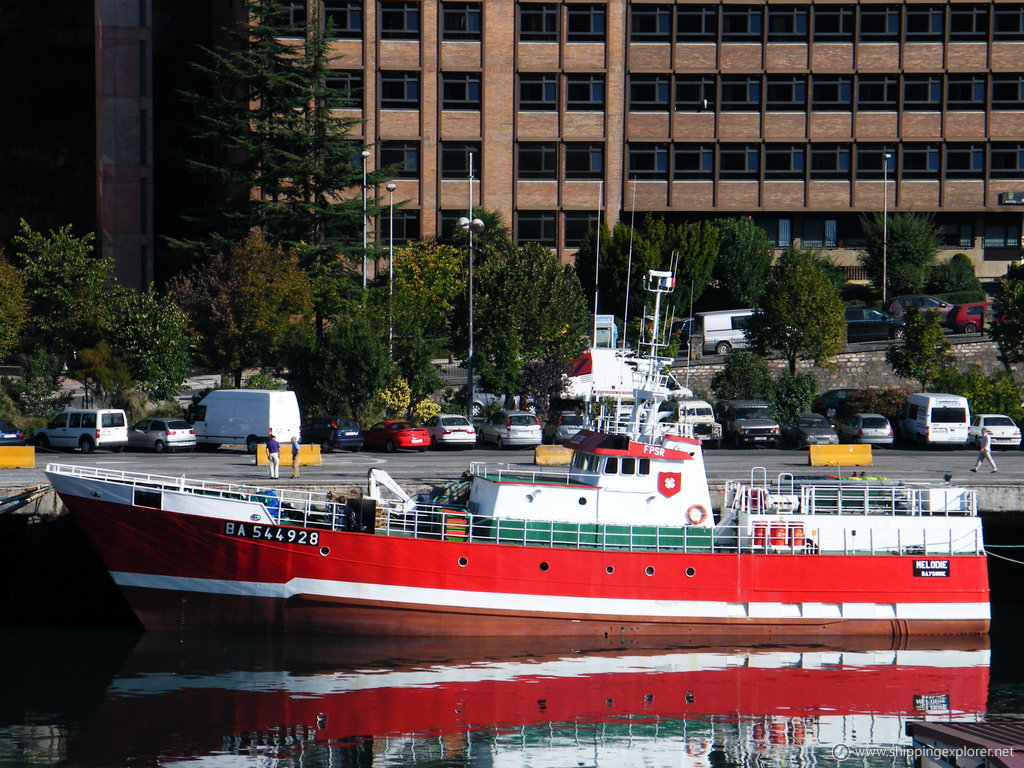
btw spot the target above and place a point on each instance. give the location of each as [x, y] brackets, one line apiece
[119, 699]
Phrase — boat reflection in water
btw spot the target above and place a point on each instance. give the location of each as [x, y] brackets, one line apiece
[207, 700]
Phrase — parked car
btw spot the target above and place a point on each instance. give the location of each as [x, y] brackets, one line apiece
[451, 429]
[10, 434]
[870, 428]
[970, 318]
[831, 402]
[482, 400]
[869, 324]
[747, 422]
[809, 429]
[921, 302]
[331, 432]
[1005, 433]
[86, 429]
[561, 425]
[511, 429]
[696, 418]
[162, 435]
[391, 435]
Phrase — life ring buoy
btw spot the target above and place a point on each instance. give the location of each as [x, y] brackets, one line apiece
[696, 514]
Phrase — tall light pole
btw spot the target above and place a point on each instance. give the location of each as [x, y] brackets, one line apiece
[366, 155]
[471, 225]
[885, 222]
[391, 267]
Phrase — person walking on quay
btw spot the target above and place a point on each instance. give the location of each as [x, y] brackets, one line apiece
[273, 454]
[985, 451]
[295, 456]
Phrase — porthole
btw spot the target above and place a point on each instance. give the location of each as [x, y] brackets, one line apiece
[609, 570]
[544, 566]
[649, 570]
[582, 501]
[690, 572]
[325, 551]
[463, 562]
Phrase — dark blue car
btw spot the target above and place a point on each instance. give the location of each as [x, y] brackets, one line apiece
[332, 433]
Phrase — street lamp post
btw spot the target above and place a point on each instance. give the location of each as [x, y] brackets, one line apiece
[471, 225]
[391, 267]
[885, 222]
[366, 154]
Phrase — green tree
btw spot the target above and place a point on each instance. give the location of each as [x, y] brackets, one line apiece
[149, 331]
[244, 310]
[13, 307]
[801, 313]
[1000, 392]
[528, 307]
[39, 391]
[913, 244]
[925, 351]
[107, 377]
[744, 257]
[954, 276]
[792, 394]
[744, 376]
[1009, 305]
[68, 287]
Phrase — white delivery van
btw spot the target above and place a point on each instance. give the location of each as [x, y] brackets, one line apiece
[245, 417]
[934, 418]
[724, 330]
[86, 429]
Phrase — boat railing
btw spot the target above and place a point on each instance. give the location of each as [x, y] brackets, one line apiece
[522, 473]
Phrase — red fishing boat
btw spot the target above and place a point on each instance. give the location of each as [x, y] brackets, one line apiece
[621, 542]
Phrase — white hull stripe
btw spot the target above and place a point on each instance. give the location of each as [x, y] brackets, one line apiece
[420, 598]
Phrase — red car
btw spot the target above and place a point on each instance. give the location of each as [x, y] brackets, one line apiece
[391, 435]
[971, 318]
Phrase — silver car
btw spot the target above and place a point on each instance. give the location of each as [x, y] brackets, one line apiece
[511, 429]
[870, 428]
[162, 435]
[561, 425]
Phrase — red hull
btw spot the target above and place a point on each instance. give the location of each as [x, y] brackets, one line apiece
[183, 572]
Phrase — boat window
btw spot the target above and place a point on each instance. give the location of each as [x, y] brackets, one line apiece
[611, 466]
[628, 466]
[147, 498]
[645, 467]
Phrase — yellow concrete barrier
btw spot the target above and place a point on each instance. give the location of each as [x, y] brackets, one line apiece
[309, 455]
[17, 456]
[552, 455]
[855, 455]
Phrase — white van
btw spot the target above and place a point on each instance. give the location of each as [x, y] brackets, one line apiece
[245, 416]
[86, 429]
[724, 330]
[934, 418]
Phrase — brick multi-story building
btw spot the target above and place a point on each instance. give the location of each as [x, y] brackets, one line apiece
[784, 112]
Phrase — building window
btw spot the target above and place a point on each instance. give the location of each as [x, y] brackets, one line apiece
[650, 24]
[584, 23]
[870, 160]
[1002, 235]
[920, 161]
[648, 161]
[536, 227]
[925, 22]
[830, 161]
[346, 87]
[697, 23]
[786, 92]
[741, 94]
[1008, 22]
[922, 92]
[407, 225]
[965, 92]
[584, 93]
[584, 161]
[293, 18]
[694, 161]
[832, 92]
[405, 155]
[1006, 161]
[400, 90]
[820, 233]
[538, 22]
[399, 21]
[538, 92]
[460, 90]
[956, 235]
[649, 93]
[537, 161]
[878, 92]
[834, 24]
[455, 159]
[965, 161]
[578, 224]
[880, 23]
[738, 161]
[787, 23]
[460, 21]
[1007, 91]
[695, 93]
[344, 20]
[784, 161]
[741, 23]
[968, 22]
